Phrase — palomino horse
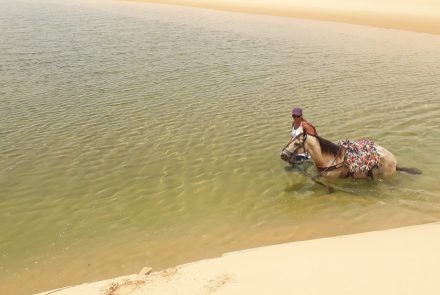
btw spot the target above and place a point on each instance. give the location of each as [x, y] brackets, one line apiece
[329, 158]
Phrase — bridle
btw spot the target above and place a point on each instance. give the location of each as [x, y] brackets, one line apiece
[303, 146]
[293, 157]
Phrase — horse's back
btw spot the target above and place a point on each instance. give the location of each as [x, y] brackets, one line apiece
[388, 162]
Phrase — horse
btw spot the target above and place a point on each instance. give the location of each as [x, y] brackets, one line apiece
[331, 159]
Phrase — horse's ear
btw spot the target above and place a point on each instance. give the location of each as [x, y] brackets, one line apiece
[304, 136]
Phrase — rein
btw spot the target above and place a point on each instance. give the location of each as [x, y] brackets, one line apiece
[323, 169]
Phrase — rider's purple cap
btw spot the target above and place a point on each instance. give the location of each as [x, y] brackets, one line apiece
[297, 112]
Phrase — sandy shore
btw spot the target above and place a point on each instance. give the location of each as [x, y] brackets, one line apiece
[397, 261]
[411, 15]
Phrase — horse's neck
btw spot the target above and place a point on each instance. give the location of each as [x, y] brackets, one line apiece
[321, 159]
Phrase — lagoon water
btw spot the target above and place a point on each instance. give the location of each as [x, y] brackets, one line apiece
[140, 135]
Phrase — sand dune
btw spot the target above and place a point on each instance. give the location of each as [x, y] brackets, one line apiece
[412, 15]
[397, 261]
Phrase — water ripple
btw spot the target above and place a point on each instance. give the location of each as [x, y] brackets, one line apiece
[156, 128]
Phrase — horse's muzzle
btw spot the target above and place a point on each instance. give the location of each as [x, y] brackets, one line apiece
[285, 155]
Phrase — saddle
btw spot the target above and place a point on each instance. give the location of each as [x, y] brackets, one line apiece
[360, 156]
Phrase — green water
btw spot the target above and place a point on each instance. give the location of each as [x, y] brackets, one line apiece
[140, 135]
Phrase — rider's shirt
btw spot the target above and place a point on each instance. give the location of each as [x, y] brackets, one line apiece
[305, 127]
[297, 131]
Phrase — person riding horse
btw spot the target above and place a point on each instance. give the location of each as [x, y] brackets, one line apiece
[299, 126]
[356, 159]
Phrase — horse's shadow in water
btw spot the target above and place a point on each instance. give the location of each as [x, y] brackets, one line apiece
[302, 169]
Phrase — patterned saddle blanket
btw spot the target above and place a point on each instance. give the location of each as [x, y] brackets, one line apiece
[360, 156]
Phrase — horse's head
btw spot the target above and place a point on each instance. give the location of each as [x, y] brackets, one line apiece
[294, 151]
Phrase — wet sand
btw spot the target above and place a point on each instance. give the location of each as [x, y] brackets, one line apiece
[396, 261]
[415, 16]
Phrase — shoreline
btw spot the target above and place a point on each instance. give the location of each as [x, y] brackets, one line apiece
[396, 20]
[394, 261]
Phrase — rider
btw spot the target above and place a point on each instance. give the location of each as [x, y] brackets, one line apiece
[299, 126]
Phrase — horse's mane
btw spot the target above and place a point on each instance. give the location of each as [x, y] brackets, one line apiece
[328, 147]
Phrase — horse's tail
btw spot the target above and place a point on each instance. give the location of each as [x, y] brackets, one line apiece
[409, 170]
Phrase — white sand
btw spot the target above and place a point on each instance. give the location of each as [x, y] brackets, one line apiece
[397, 261]
[412, 15]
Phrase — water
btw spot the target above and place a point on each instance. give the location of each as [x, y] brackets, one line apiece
[144, 135]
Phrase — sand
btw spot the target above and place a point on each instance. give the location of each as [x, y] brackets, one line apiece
[396, 261]
[412, 15]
